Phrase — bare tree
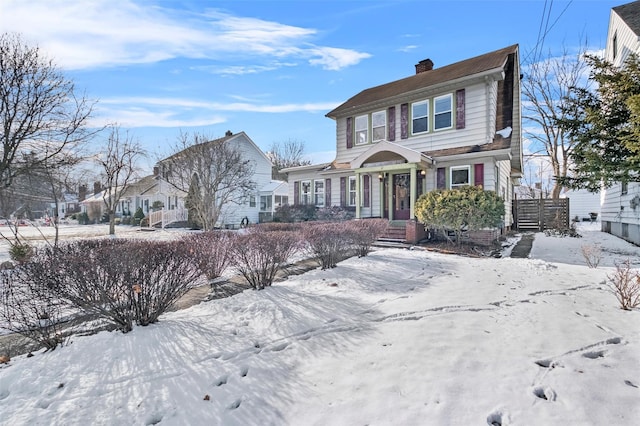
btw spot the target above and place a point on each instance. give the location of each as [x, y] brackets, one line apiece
[42, 117]
[213, 173]
[545, 87]
[118, 167]
[286, 154]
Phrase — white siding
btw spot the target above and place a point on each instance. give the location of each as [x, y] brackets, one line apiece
[582, 203]
[479, 126]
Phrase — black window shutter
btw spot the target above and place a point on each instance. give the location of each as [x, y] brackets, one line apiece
[404, 121]
[460, 109]
[349, 132]
[343, 191]
[296, 192]
[441, 179]
[366, 182]
[327, 192]
[391, 121]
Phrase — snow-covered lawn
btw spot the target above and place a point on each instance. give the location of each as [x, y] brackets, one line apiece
[401, 337]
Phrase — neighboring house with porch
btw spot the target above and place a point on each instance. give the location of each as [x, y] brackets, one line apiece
[620, 210]
[259, 206]
[440, 128]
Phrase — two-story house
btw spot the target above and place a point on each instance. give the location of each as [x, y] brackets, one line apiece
[154, 189]
[620, 210]
[444, 127]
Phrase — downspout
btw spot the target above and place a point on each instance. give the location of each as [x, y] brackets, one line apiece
[357, 195]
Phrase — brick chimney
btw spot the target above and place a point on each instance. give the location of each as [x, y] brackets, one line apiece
[228, 133]
[82, 192]
[424, 65]
[97, 187]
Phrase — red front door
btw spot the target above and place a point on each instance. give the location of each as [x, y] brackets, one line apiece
[401, 196]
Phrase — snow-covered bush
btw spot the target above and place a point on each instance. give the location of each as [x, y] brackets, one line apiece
[124, 281]
[211, 250]
[29, 307]
[329, 242]
[625, 285]
[259, 254]
[363, 233]
[592, 255]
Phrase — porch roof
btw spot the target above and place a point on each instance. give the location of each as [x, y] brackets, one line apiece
[384, 151]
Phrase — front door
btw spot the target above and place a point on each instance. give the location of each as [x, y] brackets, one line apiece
[401, 196]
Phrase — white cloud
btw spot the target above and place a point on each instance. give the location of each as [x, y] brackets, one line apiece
[93, 34]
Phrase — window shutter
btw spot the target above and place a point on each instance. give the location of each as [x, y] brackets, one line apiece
[478, 174]
[441, 179]
[327, 192]
[404, 121]
[460, 109]
[296, 192]
[366, 183]
[349, 132]
[391, 120]
[343, 191]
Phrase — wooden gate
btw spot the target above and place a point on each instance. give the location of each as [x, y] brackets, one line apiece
[541, 214]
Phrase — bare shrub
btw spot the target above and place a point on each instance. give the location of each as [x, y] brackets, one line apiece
[260, 254]
[29, 307]
[279, 226]
[124, 281]
[625, 285]
[329, 242]
[363, 233]
[211, 251]
[592, 255]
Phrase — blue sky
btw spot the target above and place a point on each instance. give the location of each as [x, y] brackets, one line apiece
[272, 68]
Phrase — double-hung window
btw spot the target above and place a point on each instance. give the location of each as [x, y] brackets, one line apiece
[362, 129]
[442, 114]
[460, 176]
[352, 190]
[379, 126]
[420, 117]
[318, 186]
[305, 192]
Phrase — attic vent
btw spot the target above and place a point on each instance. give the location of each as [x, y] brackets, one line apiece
[228, 133]
[424, 65]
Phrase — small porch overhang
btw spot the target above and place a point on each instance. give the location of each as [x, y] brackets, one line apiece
[384, 153]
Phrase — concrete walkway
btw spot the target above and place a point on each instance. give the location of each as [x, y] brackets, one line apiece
[523, 247]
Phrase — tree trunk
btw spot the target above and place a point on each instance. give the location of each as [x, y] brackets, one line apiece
[112, 223]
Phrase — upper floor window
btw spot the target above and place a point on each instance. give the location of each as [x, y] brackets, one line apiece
[319, 192]
[614, 48]
[420, 117]
[352, 190]
[379, 125]
[443, 112]
[362, 129]
[460, 176]
[305, 192]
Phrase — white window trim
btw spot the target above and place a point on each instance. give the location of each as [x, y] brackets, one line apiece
[304, 200]
[364, 130]
[426, 102]
[454, 168]
[382, 114]
[450, 111]
[316, 193]
[350, 191]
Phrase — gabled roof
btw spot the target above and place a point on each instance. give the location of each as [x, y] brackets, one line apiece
[630, 14]
[469, 67]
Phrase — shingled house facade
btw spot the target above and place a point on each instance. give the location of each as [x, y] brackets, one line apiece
[440, 128]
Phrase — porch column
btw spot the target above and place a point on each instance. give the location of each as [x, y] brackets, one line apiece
[357, 195]
[413, 186]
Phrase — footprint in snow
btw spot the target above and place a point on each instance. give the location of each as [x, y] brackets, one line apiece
[221, 381]
[545, 393]
[235, 404]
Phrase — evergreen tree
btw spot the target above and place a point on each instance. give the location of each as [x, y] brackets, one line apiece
[605, 124]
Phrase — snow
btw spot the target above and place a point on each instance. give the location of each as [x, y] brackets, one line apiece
[401, 337]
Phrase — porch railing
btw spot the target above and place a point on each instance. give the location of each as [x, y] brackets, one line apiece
[166, 217]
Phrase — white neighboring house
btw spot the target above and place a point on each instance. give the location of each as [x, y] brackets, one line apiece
[154, 188]
[440, 128]
[620, 214]
[93, 205]
[583, 204]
